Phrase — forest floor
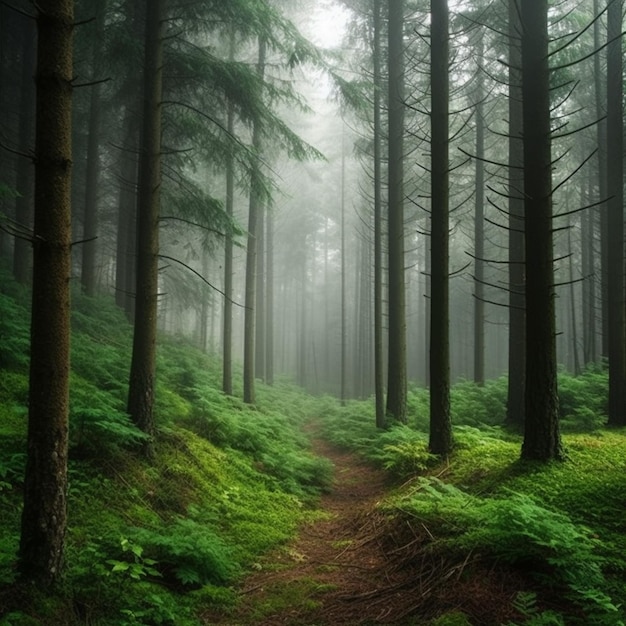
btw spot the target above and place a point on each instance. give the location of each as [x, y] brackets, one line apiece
[352, 565]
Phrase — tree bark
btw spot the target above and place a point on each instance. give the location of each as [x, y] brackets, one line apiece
[143, 364]
[541, 429]
[440, 424]
[44, 516]
[249, 395]
[396, 370]
[379, 374]
[479, 224]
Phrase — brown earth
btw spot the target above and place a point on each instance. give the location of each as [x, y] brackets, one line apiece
[354, 565]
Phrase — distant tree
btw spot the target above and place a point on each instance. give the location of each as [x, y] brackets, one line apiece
[143, 364]
[379, 378]
[92, 189]
[541, 427]
[44, 516]
[396, 371]
[254, 208]
[479, 220]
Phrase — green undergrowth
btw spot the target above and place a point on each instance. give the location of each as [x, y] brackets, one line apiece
[162, 541]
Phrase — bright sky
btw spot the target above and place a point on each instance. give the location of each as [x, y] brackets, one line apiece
[328, 24]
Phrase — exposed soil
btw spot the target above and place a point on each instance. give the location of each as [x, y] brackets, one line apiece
[357, 566]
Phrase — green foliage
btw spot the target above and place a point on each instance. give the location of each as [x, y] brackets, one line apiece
[526, 604]
[14, 334]
[402, 451]
[191, 552]
[583, 400]
[515, 529]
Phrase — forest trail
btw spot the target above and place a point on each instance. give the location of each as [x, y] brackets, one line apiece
[329, 574]
[353, 566]
[346, 567]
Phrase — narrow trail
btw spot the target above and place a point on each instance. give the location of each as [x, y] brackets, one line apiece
[354, 566]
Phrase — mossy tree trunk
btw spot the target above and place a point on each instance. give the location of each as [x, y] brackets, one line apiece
[44, 516]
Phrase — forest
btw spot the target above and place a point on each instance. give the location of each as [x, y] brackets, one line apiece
[312, 312]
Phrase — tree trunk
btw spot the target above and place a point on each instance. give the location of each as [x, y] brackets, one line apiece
[440, 425]
[379, 373]
[44, 516]
[143, 364]
[541, 429]
[227, 343]
[396, 371]
[269, 300]
[259, 322]
[249, 395]
[517, 304]
[479, 224]
[615, 208]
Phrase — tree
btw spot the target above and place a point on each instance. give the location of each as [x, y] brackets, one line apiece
[541, 428]
[440, 425]
[254, 208]
[44, 516]
[143, 364]
[396, 371]
[379, 384]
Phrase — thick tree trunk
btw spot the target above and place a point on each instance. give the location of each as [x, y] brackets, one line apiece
[517, 305]
[440, 425]
[259, 322]
[44, 516]
[541, 429]
[396, 371]
[143, 364]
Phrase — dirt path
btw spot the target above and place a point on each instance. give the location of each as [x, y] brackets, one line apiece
[354, 566]
[329, 573]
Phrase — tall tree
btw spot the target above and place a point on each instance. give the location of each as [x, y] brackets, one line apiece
[479, 223]
[615, 208]
[143, 364]
[440, 425]
[254, 207]
[379, 379]
[541, 427]
[396, 370]
[44, 516]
